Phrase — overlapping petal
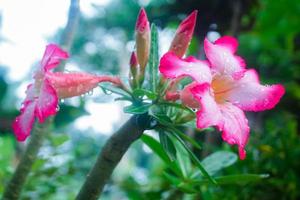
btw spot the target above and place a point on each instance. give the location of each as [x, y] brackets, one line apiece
[209, 113]
[23, 123]
[47, 102]
[249, 95]
[234, 127]
[52, 57]
[172, 66]
[226, 117]
[222, 58]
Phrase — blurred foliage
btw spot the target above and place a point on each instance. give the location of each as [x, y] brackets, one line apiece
[269, 35]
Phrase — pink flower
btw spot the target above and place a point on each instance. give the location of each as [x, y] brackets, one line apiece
[41, 100]
[42, 96]
[223, 95]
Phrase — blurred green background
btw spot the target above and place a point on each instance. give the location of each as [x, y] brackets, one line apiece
[269, 36]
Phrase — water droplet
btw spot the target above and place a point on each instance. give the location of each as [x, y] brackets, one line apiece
[62, 100]
[194, 109]
[90, 93]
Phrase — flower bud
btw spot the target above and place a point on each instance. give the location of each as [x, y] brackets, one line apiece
[184, 34]
[133, 64]
[142, 37]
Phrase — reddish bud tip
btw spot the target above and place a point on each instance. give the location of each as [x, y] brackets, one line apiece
[184, 35]
[142, 22]
[188, 24]
[133, 60]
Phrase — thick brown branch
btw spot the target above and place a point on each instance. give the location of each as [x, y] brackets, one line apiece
[111, 154]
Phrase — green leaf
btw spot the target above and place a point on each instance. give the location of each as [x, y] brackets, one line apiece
[182, 156]
[176, 105]
[58, 139]
[153, 58]
[108, 89]
[217, 161]
[137, 109]
[185, 137]
[142, 92]
[196, 160]
[235, 179]
[155, 146]
[167, 145]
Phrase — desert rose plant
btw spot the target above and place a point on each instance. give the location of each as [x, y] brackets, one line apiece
[167, 95]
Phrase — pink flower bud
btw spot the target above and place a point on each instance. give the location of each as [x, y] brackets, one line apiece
[184, 34]
[142, 30]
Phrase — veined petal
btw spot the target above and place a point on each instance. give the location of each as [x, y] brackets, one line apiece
[249, 95]
[222, 59]
[52, 57]
[209, 113]
[173, 67]
[23, 123]
[75, 84]
[47, 102]
[234, 127]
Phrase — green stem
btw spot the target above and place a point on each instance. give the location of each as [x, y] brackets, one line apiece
[14, 186]
[110, 156]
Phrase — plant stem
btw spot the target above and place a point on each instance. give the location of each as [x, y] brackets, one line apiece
[14, 186]
[110, 156]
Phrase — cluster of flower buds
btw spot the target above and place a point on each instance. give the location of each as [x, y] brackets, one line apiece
[222, 87]
[139, 58]
[43, 95]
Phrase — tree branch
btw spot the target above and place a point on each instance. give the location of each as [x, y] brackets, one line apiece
[111, 154]
[14, 186]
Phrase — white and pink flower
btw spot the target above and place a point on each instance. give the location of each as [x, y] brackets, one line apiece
[42, 96]
[223, 89]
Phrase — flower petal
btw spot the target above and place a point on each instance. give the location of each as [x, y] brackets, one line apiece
[228, 42]
[187, 97]
[209, 113]
[52, 57]
[222, 59]
[23, 123]
[248, 94]
[47, 102]
[75, 84]
[173, 67]
[234, 127]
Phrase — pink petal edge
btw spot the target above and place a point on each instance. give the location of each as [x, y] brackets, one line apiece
[173, 67]
[23, 123]
[52, 57]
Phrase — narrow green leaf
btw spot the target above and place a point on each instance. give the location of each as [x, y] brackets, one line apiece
[196, 160]
[217, 161]
[167, 145]
[176, 105]
[153, 58]
[235, 179]
[139, 92]
[137, 109]
[155, 146]
[182, 156]
[185, 137]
